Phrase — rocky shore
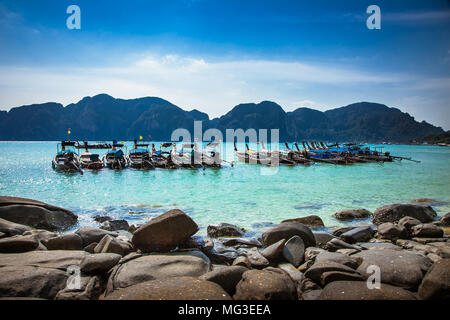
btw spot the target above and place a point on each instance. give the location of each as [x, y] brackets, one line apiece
[299, 259]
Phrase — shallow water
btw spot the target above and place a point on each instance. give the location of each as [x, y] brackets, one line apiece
[245, 195]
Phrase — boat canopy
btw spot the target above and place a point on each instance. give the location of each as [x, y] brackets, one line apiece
[139, 150]
[116, 153]
[64, 152]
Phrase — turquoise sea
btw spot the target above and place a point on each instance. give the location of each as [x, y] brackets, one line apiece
[250, 196]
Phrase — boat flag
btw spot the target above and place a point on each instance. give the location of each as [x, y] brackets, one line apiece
[68, 131]
[140, 137]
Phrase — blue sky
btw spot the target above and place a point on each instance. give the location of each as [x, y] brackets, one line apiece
[212, 55]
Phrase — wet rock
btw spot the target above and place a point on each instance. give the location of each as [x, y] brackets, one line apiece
[31, 281]
[115, 225]
[11, 229]
[340, 258]
[178, 288]
[352, 214]
[399, 268]
[99, 263]
[425, 201]
[427, 231]
[274, 251]
[101, 219]
[294, 251]
[91, 287]
[358, 290]
[391, 231]
[322, 238]
[265, 285]
[157, 266]
[408, 222]
[69, 241]
[336, 244]
[340, 231]
[318, 268]
[242, 241]
[224, 230]
[164, 232]
[109, 245]
[436, 283]
[18, 244]
[36, 214]
[226, 277]
[286, 231]
[257, 260]
[242, 261]
[222, 256]
[332, 276]
[91, 234]
[358, 234]
[394, 212]
[310, 221]
[445, 219]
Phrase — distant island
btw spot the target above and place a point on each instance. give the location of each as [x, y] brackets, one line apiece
[103, 117]
[436, 138]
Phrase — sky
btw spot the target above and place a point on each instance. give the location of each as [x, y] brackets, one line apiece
[212, 55]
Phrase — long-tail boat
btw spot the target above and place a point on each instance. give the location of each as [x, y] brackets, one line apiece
[276, 154]
[139, 157]
[188, 157]
[162, 158]
[296, 155]
[211, 157]
[115, 158]
[91, 161]
[250, 156]
[325, 156]
[66, 159]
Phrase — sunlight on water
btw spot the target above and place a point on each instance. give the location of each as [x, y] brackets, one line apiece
[241, 195]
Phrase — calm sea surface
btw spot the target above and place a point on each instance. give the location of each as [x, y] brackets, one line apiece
[247, 195]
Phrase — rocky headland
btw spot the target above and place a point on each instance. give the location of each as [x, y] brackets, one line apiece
[298, 259]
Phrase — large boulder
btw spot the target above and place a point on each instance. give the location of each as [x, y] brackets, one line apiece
[115, 225]
[391, 231]
[358, 290]
[224, 230]
[427, 231]
[177, 288]
[226, 277]
[337, 257]
[399, 268]
[257, 260]
[11, 229]
[274, 251]
[359, 234]
[318, 268]
[99, 263]
[352, 214]
[286, 231]
[265, 285]
[408, 222]
[311, 221]
[57, 259]
[18, 244]
[36, 214]
[68, 241]
[109, 244]
[90, 235]
[165, 232]
[394, 212]
[294, 251]
[157, 266]
[31, 281]
[436, 283]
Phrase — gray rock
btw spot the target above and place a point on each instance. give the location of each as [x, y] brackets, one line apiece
[378, 245]
[224, 230]
[265, 285]
[331, 276]
[312, 252]
[391, 231]
[179, 288]
[91, 234]
[358, 234]
[31, 281]
[109, 244]
[158, 266]
[242, 241]
[338, 258]
[338, 232]
[69, 241]
[436, 283]
[322, 238]
[427, 231]
[36, 214]
[18, 244]
[222, 256]
[399, 268]
[101, 219]
[91, 247]
[294, 251]
[394, 212]
[12, 229]
[336, 244]
[311, 295]
[242, 261]
[352, 214]
[256, 259]
[57, 259]
[358, 290]
[91, 287]
[40, 235]
[286, 231]
[115, 225]
[99, 263]
[292, 271]
[310, 221]
[164, 232]
[226, 277]
[318, 268]
[408, 222]
[274, 251]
